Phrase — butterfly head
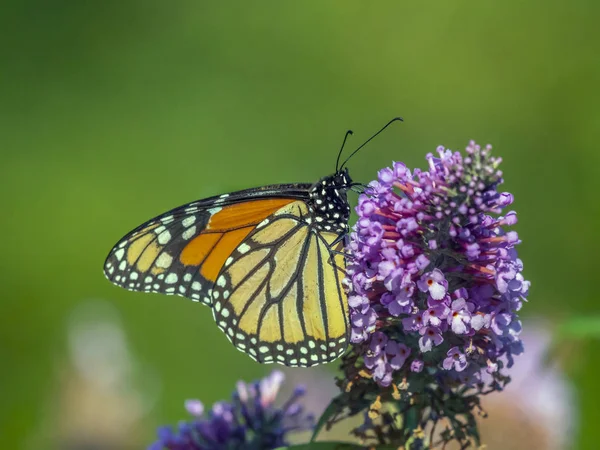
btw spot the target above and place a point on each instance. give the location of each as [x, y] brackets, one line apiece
[328, 202]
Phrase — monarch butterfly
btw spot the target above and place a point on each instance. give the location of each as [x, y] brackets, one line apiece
[269, 261]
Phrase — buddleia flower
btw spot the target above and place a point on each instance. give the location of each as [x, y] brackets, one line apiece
[250, 421]
[435, 289]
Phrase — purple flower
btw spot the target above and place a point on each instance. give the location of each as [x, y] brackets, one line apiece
[396, 354]
[376, 359]
[384, 357]
[455, 360]
[430, 337]
[249, 421]
[460, 317]
[362, 319]
[194, 407]
[434, 268]
[435, 313]
[417, 365]
[400, 302]
[434, 283]
[412, 323]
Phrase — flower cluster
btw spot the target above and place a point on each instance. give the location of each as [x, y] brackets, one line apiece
[250, 421]
[435, 279]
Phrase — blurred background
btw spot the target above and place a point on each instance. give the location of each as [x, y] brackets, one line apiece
[113, 112]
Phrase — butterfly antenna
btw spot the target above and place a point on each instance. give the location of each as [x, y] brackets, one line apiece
[395, 119]
[337, 162]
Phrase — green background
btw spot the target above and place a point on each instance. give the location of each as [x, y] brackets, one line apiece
[112, 112]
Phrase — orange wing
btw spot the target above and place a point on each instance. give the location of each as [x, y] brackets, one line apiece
[182, 251]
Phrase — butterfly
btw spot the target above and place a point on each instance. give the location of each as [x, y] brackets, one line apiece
[268, 261]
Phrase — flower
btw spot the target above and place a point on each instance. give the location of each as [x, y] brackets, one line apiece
[460, 319]
[430, 336]
[434, 283]
[249, 421]
[455, 359]
[434, 269]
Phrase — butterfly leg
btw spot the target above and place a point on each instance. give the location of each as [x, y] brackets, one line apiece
[332, 254]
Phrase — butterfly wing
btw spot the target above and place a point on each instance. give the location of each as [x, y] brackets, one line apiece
[182, 251]
[279, 296]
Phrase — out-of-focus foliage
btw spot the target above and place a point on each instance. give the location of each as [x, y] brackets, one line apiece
[112, 112]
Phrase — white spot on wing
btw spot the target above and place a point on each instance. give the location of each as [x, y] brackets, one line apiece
[221, 199]
[188, 221]
[187, 234]
[164, 260]
[171, 278]
[164, 237]
[119, 253]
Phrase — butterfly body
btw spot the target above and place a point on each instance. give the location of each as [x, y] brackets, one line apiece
[328, 202]
[267, 261]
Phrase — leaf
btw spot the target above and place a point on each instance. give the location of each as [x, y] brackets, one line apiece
[329, 412]
[580, 327]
